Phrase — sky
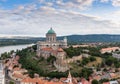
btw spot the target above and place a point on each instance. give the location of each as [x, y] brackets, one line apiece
[66, 17]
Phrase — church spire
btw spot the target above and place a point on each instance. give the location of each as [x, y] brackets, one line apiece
[69, 75]
[69, 78]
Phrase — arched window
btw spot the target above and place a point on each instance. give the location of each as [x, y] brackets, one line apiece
[60, 45]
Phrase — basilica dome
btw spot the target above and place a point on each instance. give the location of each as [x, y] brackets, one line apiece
[51, 31]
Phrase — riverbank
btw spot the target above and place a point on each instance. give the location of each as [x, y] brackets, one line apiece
[13, 47]
[14, 44]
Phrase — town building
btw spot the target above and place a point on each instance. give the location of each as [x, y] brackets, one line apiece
[111, 82]
[2, 74]
[50, 45]
[116, 55]
[109, 50]
[38, 80]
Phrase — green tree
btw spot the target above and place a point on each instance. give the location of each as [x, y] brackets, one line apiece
[92, 58]
[34, 47]
[51, 59]
[85, 61]
[95, 82]
[86, 72]
[104, 80]
[11, 82]
[109, 61]
[5, 55]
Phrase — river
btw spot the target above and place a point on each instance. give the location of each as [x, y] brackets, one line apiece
[13, 47]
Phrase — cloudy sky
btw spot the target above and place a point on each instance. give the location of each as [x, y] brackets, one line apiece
[66, 17]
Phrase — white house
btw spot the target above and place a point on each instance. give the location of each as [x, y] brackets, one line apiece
[2, 74]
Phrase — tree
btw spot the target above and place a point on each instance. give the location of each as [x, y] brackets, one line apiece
[34, 47]
[95, 81]
[92, 58]
[11, 82]
[109, 61]
[85, 61]
[86, 72]
[5, 55]
[51, 59]
[104, 80]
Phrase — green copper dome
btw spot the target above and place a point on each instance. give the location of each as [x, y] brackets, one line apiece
[51, 31]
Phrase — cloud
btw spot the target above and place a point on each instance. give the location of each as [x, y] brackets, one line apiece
[104, 0]
[116, 3]
[33, 19]
[68, 4]
[116, 13]
[115, 17]
[27, 20]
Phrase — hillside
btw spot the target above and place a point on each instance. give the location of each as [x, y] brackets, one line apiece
[71, 39]
[93, 38]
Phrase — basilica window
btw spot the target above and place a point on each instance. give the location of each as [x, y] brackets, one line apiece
[60, 45]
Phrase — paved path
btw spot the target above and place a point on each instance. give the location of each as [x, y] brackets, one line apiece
[8, 79]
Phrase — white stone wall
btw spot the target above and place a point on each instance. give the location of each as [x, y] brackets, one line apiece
[61, 68]
[54, 45]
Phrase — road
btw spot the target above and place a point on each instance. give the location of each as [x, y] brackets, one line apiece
[8, 79]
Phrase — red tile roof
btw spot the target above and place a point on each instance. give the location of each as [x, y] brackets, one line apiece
[60, 50]
[47, 49]
[106, 83]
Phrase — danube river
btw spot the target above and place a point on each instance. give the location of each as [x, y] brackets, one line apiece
[13, 47]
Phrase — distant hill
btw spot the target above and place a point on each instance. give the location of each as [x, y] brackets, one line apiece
[93, 38]
[71, 39]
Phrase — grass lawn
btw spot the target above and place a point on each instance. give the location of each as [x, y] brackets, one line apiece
[95, 63]
[76, 68]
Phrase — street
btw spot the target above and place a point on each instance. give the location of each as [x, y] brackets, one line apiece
[8, 79]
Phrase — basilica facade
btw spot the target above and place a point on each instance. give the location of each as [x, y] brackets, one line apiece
[50, 45]
[53, 47]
